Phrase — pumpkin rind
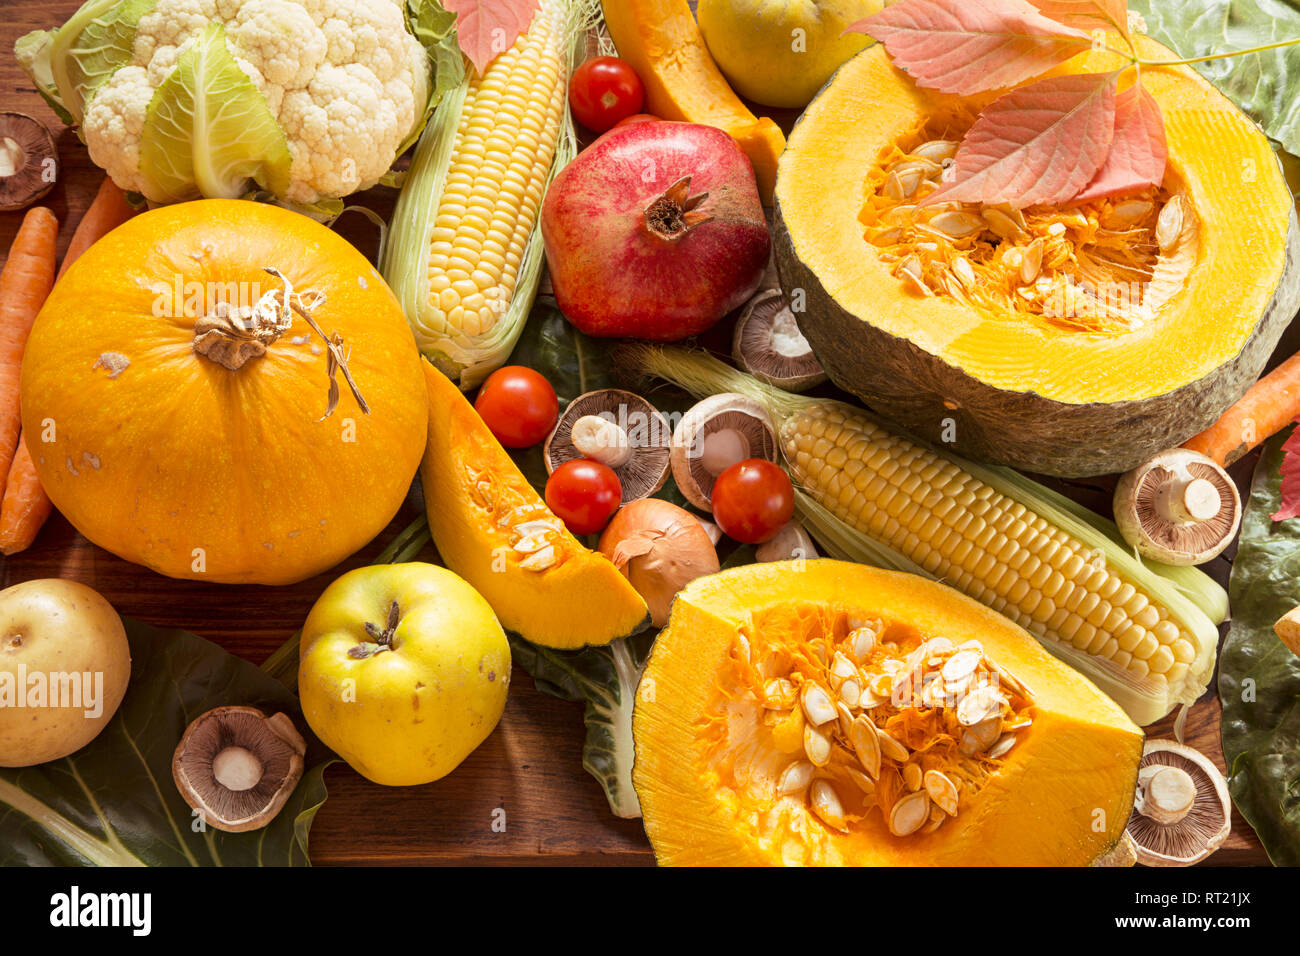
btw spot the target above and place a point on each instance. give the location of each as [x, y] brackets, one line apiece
[1061, 797]
[175, 462]
[906, 369]
[471, 485]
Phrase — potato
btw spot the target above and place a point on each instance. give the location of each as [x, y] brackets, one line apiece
[64, 667]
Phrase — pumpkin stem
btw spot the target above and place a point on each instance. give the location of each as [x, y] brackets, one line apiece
[230, 336]
[673, 214]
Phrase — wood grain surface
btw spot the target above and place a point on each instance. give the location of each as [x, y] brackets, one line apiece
[531, 767]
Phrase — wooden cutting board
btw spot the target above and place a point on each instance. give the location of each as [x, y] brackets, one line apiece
[522, 797]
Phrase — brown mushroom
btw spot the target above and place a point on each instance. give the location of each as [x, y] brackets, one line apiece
[767, 343]
[792, 542]
[619, 429]
[237, 767]
[28, 161]
[1178, 508]
[714, 435]
[1181, 812]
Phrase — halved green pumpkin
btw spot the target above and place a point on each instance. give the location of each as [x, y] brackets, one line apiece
[1011, 384]
[494, 530]
[1048, 778]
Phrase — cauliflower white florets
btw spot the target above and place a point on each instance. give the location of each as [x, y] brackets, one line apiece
[344, 79]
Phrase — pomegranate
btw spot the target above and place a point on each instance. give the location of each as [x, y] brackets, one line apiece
[655, 231]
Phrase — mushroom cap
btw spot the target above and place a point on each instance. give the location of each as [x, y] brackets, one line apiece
[273, 741]
[1205, 826]
[711, 418]
[1179, 508]
[647, 430]
[768, 344]
[26, 144]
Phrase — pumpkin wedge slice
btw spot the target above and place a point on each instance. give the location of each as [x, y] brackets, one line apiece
[1078, 340]
[822, 712]
[493, 529]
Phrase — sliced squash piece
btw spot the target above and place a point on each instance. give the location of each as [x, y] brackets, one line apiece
[1071, 341]
[493, 529]
[662, 42]
[823, 712]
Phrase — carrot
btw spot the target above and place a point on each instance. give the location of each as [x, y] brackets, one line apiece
[1268, 406]
[25, 281]
[25, 506]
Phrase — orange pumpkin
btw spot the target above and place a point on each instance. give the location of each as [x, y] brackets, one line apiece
[176, 411]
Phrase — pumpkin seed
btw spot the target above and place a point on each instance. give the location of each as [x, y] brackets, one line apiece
[862, 641]
[1031, 261]
[888, 236]
[957, 225]
[826, 804]
[912, 776]
[535, 527]
[842, 667]
[1002, 746]
[891, 748]
[1127, 214]
[900, 185]
[942, 791]
[539, 560]
[964, 272]
[530, 544]
[817, 704]
[981, 736]
[922, 164]
[909, 814]
[911, 270]
[863, 782]
[936, 149]
[851, 693]
[778, 694]
[1009, 681]
[866, 745]
[960, 666]
[817, 746]
[1002, 225]
[845, 717]
[1169, 224]
[981, 704]
[795, 778]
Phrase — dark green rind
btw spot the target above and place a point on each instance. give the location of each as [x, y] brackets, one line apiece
[916, 389]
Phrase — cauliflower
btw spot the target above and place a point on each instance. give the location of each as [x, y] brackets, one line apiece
[343, 85]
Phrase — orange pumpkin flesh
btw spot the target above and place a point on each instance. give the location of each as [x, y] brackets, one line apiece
[709, 755]
[173, 461]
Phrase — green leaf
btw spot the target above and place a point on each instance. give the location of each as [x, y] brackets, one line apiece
[113, 803]
[1266, 85]
[32, 51]
[1259, 678]
[208, 129]
[606, 679]
[435, 28]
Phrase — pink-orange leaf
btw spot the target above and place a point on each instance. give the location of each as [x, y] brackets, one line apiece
[1289, 507]
[486, 28]
[960, 46]
[1137, 151]
[1087, 14]
[1040, 143]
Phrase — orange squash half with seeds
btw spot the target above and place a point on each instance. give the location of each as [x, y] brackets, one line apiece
[1075, 341]
[823, 712]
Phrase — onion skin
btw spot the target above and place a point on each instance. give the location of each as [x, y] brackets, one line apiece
[613, 274]
[659, 548]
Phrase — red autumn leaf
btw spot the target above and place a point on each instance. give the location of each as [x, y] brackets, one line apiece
[1289, 507]
[1087, 14]
[1137, 151]
[485, 28]
[1041, 143]
[959, 46]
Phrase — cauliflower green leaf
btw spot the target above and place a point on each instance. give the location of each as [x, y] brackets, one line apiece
[208, 129]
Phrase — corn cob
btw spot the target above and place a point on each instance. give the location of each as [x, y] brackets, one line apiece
[871, 494]
[463, 255]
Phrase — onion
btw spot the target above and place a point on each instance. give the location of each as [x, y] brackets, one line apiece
[660, 548]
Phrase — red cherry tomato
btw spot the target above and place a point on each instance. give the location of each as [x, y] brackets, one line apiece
[518, 405]
[603, 91]
[639, 118]
[584, 494]
[752, 500]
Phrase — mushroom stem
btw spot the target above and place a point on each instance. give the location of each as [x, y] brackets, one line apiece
[12, 156]
[606, 441]
[1188, 500]
[1167, 795]
[237, 768]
